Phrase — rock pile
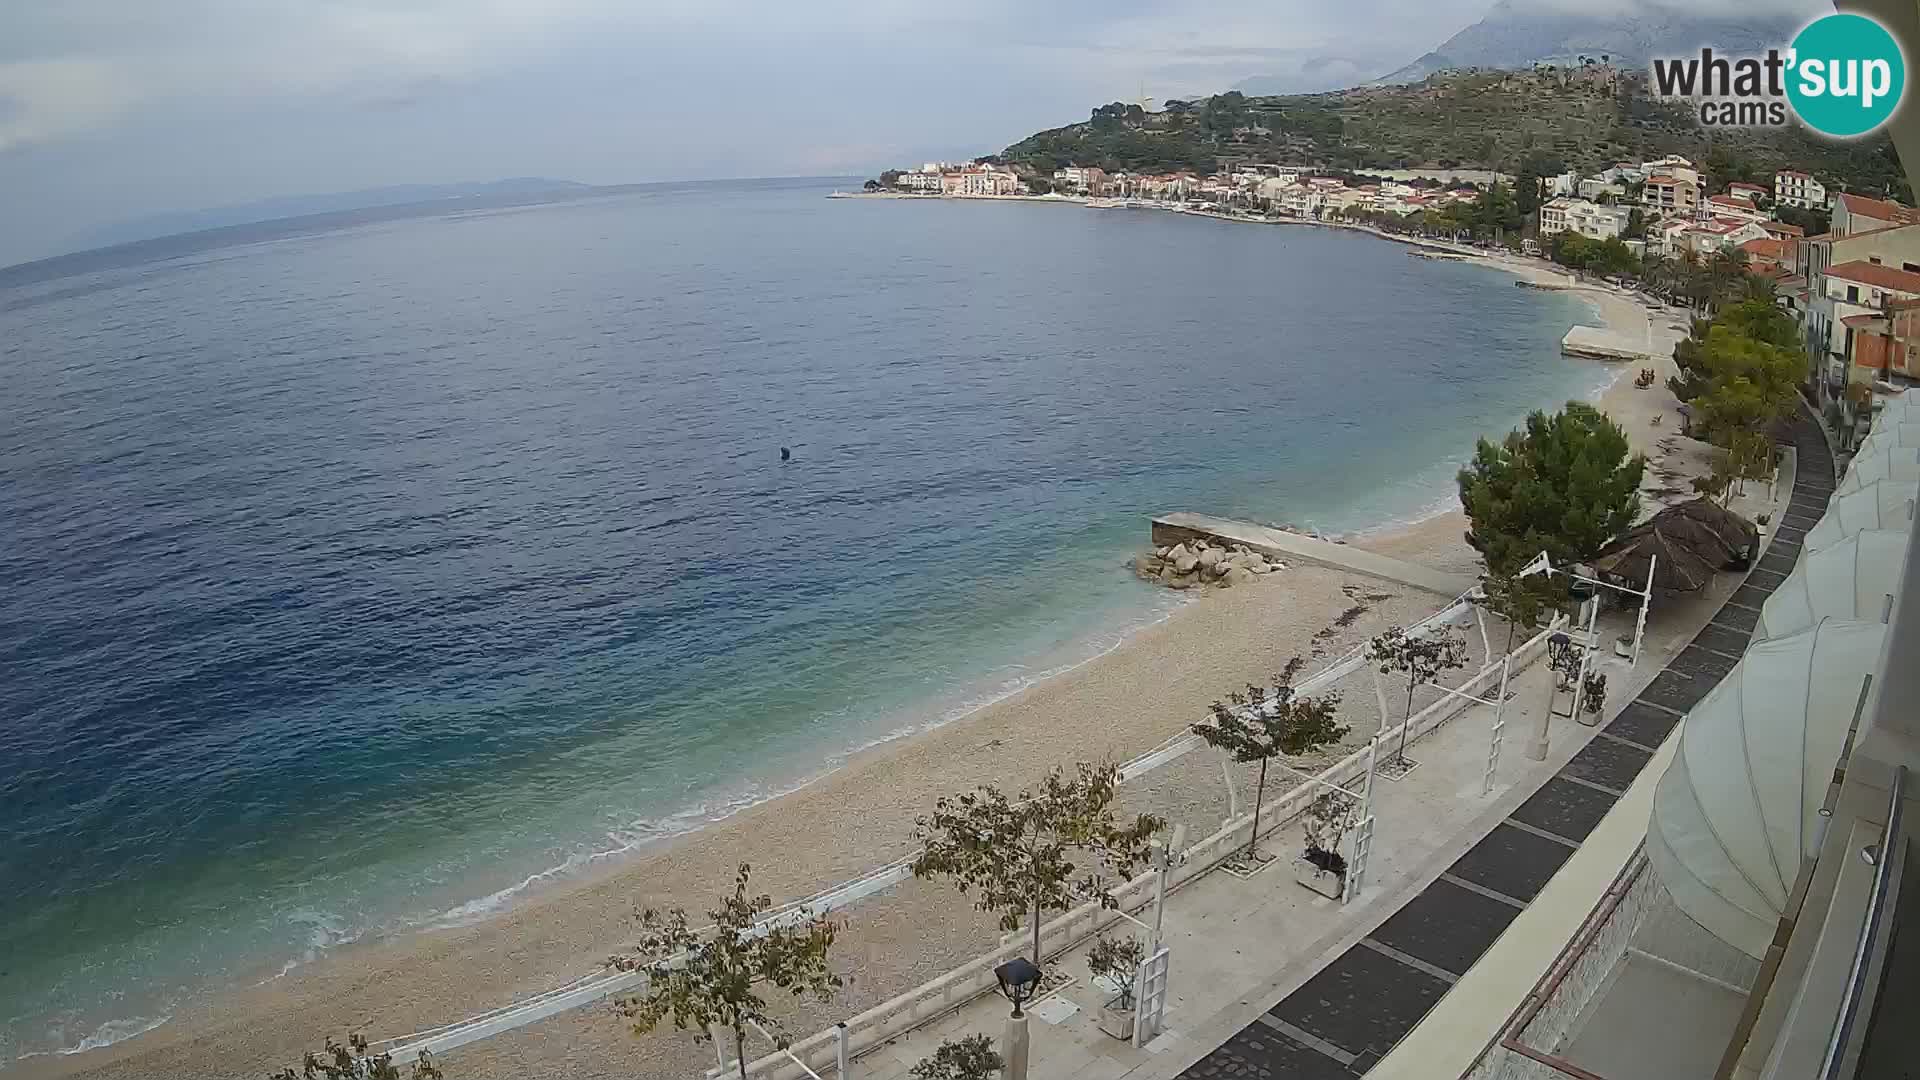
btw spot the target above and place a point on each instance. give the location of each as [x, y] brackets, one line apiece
[1201, 562]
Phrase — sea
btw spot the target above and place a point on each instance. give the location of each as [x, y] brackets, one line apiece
[375, 577]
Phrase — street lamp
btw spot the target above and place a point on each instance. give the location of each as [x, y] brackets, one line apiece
[1019, 979]
[1560, 660]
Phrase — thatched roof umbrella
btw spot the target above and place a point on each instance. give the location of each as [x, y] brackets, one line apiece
[1680, 568]
[1692, 541]
[1704, 517]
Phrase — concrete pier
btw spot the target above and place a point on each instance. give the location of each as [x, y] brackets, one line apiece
[1178, 528]
[1599, 344]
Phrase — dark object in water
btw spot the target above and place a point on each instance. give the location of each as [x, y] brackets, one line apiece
[786, 454]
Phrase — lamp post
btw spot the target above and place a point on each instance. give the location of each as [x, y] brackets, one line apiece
[1559, 658]
[1019, 978]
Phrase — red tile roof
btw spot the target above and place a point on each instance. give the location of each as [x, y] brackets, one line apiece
[1858, 321]
[1766, 248]
[1880, 277]
[1783, 228]
[1878, 209]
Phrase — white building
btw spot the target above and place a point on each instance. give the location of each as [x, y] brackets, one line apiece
[1793, 188]
[1567, 183]
[1578, 215]
[1706, 237]
[1728, 206]
[1080, 178]
[980, 180]
[919, 181]
[1595, 186]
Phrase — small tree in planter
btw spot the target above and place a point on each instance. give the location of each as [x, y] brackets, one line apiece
[1593, 694]
[1257, 725]
[352, 1061]
[1325, 824]
[1117, 961]
[1421, 658]
[969, 1058]
[1018, 853]
[708, 981]
[1519, 601]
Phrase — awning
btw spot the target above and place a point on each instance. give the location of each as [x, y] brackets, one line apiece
[1690, 541]
[1849, 580]
[1883, 504]
[1892, 463]
[1738, 808]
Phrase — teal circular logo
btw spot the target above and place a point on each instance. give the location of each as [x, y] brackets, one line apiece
[1846, 75]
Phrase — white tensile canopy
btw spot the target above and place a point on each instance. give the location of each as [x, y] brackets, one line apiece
[1887, 436]
[1894, 463]
[1883, 504]
[1849, 580]
[1738, 809]
[1895, 408]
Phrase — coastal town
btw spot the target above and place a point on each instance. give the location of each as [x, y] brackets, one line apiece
[1845, 265]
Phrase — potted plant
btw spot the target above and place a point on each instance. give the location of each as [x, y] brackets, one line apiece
[1115, 963]
[970, 1058]
[1321, 867]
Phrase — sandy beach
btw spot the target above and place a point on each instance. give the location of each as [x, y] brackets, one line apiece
[1113, 707]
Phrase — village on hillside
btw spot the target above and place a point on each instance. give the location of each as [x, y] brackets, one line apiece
[1847, 266]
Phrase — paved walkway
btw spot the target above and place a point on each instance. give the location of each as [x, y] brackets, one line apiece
[1353, 1011]
[1296, 547]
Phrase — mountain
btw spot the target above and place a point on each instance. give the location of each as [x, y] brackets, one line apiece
[1314, 73]
[1515, 35]
[1544, 120]
[292, 206]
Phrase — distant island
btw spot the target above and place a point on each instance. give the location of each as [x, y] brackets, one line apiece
[367, 207]
[149, 226]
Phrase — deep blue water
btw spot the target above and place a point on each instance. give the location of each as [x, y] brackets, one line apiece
[348, 580]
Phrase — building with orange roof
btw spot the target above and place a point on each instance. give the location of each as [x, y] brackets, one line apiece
[1858, 214]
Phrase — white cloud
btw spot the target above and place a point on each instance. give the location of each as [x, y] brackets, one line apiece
[41, 100]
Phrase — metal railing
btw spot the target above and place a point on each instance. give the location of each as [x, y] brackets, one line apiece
[1842, 1048]
[601, 985]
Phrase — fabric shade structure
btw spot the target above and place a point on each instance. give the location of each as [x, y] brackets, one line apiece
[1883, 504]
[1889, 436]
[1739, 807]
[1896, 463]
[1849, 580]
[1690, 541]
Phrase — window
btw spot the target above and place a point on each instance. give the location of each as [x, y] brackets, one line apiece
[1853, 294]
[1874, 259]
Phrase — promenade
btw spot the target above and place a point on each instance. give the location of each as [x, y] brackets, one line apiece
[1271, 980]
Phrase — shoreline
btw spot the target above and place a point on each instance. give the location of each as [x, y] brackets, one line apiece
[583, 913]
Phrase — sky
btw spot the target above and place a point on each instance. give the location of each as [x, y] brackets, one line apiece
[113, 109]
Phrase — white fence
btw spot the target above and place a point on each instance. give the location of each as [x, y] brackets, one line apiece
[932, 1000]
[942, 995]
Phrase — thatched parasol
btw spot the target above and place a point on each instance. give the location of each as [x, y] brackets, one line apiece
[1712, 523]
[1691, 541]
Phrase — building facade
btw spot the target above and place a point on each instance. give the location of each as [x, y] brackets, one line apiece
[1666, 193]
[980, 181]
[1578, 215]
[1794, 188]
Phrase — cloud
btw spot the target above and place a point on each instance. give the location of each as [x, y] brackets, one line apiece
[41, 100]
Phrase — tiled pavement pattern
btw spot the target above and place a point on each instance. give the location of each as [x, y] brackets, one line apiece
[1350, 1014]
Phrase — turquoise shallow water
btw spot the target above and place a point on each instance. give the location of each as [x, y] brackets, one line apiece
[363, 580]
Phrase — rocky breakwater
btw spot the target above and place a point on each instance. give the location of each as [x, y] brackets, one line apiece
[1197, 563]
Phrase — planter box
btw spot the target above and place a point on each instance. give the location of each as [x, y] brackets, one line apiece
[1325, 882]
[1116, 1021]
